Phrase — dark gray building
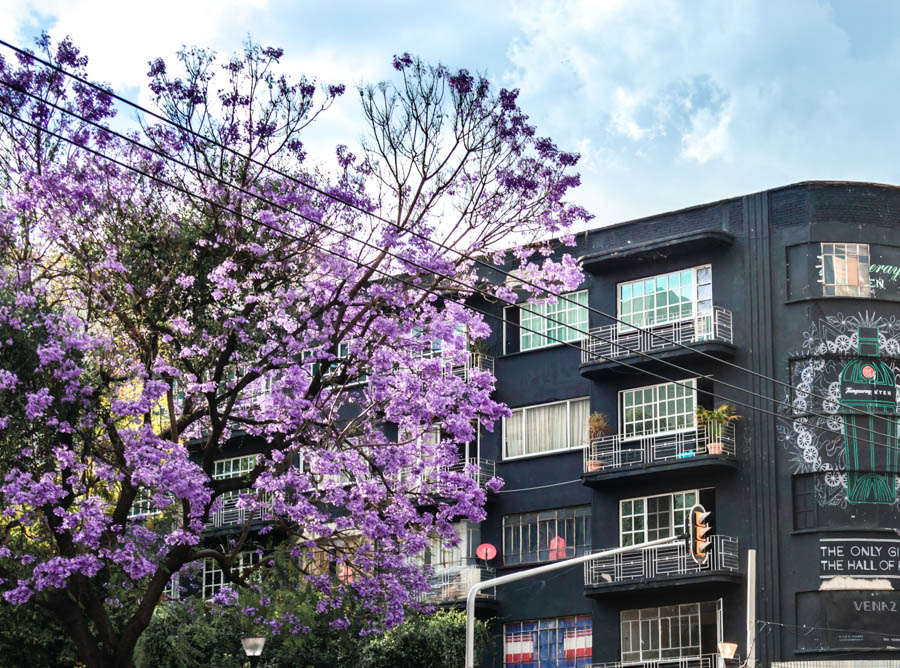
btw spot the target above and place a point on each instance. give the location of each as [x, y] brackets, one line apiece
[784, 304]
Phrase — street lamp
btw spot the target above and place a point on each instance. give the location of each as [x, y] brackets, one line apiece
[253, 647]
[726, 652]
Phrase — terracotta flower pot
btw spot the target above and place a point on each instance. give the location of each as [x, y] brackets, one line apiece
[715, 448]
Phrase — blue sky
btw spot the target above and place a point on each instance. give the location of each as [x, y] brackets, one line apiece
[670, 103]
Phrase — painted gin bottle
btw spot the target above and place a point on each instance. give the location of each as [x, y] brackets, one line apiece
[869, 404]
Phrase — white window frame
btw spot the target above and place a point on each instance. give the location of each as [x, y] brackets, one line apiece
[539, 321]
[674, 521]
[644, 621]
[678, 387]
[843, 256]
[214, 577]
[143, 506]
[522, 410]
[700, 304]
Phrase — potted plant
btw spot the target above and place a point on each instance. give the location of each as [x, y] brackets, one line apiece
[598, 427]
[715, 421]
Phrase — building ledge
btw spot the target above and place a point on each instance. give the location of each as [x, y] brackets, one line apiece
[656, 359]
[676, 244]
[609, 476]
[661, 584]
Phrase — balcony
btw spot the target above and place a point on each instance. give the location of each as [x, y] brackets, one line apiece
[698, 661]
[662, 567]
[451, 583]
[614, 457]
[481, 469]
[230, 515]
[606, 347]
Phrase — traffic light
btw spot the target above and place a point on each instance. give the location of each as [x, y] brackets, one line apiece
[698, 527]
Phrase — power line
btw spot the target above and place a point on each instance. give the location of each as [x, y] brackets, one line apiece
[269, 202]
[387, 221]
[810, 628]
[433, 290]
[529, 489]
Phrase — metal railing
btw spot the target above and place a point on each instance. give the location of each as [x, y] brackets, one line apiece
[482, 469]
[452, 583]
[661, 562]
[231, 514]
[473, 360]
[615, 452]
[698, 661]
[618, 340]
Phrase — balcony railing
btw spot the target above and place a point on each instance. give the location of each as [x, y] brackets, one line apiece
[617, 340]
[661, 562]
[230, 514]
[482, 469]
[614, 452]
[698, 661]
[452, 583]
[473, 361]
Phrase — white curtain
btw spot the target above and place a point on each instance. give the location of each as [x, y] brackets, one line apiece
[512, 428]
[546, 428]
[579, 412]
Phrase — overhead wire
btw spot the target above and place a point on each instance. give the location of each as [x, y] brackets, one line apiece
[353, 205]
[801, 420]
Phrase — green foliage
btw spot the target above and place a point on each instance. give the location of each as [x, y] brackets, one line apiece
[31, 637]
[426, 641]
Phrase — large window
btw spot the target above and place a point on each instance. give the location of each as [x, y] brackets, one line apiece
[548, 643]
[546, 324]
[652, 517]
[535, 430]
[547, 535]
[658, 409]
[214, 577]
[670, 632]
[657, 300]
[844, 270]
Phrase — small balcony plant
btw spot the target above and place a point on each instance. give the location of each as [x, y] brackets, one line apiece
[715, 421]
[598, 427]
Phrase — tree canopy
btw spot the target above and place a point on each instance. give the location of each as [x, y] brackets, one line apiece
[193, 287]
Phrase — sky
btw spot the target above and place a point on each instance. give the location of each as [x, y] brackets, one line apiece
[671, 104]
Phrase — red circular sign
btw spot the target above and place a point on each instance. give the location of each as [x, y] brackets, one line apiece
[486, 551]
[868, 371]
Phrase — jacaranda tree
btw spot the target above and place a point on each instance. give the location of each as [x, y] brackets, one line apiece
[197, 297]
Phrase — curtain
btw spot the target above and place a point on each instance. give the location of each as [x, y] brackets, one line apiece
[546, 428]
[579, 413]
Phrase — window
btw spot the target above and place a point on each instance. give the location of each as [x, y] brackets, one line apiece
[658, 409]
[214, 577]
[548, 643]
[536, 430]
[670, 632]
[804, 502]
[547, 535]
[143, 505]
[441, 556]
[844, 270]
[652, 517]
[657, 300]
[545, 324]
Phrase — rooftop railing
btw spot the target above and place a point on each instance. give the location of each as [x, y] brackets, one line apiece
[660, 562]
[618, 340]
[617, 452]
[698, 661]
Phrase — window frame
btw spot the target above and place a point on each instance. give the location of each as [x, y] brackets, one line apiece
[625, 324]
[548, 628]
[542, 317]
[535, 523]
[246, 560]
[522, 410]
[863, 286]
[645, 514]
[623, 430]
[636, 622]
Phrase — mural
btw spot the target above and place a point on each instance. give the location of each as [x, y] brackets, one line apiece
[850, 360]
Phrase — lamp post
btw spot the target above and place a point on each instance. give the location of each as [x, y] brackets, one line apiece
[253, 647]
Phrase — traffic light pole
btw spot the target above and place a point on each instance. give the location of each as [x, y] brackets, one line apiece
[555, 566]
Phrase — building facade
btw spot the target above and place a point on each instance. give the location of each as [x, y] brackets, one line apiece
[784, 305]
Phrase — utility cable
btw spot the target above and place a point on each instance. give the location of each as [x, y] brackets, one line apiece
[352, 205]
[288, 210]
[435, 291]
